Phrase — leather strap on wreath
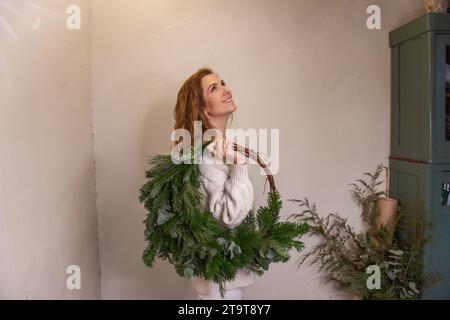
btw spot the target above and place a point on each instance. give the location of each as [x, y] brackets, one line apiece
[253, 155]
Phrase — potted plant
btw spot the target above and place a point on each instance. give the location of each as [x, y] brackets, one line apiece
[436, 5]
[344, 256]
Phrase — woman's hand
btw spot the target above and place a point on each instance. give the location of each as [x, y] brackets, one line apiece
[223, 149]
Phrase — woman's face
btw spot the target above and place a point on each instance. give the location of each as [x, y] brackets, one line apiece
[218, 97]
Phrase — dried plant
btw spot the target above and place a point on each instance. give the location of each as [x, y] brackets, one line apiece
[343, 255]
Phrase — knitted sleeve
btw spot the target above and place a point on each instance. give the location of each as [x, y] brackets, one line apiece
[229, 194]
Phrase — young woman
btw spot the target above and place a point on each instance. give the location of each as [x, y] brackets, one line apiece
[225, 184]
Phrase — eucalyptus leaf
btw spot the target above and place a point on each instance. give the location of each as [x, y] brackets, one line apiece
[270, 254]
[391, 275]
[222, 241]
[163, 215]
[413, 287]
[396, 252]
[231, 246]
[188, 273]
[261, 253]
[405, 293]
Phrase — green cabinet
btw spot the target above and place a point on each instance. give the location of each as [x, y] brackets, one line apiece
[428, 184]
[420, 132]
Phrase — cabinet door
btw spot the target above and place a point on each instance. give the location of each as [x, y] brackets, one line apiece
[411, 99]
[441, 99]
[437, 250]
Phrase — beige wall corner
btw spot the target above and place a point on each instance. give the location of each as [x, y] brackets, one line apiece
[47, 187]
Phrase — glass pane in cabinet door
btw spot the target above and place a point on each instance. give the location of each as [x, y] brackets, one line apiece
[445, 190]
[447, 96]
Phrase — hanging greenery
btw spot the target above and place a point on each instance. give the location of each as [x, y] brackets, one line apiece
[177, 229]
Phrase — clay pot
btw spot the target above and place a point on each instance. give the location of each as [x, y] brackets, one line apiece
[436, 5]
[387, 208]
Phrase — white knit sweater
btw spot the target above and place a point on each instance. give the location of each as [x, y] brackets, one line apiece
[229, 196]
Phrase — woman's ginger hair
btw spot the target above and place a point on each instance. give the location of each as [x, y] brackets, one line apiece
[190, 105]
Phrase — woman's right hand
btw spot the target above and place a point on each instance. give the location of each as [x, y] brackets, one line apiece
[223, 149]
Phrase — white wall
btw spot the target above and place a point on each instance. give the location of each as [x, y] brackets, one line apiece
[47, 187]
[308, 67]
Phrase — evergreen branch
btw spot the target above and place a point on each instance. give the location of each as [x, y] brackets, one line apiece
[194, 241]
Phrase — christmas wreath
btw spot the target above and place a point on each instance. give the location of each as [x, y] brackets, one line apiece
[193, 240]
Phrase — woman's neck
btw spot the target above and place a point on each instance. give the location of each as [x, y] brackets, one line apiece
[220, 124]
